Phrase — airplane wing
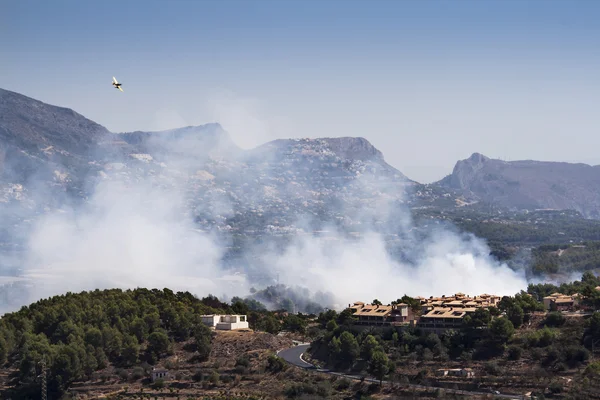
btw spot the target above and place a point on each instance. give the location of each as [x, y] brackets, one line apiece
[115, 80]
[120, 88]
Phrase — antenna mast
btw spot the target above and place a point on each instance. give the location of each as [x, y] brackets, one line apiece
[44, 385]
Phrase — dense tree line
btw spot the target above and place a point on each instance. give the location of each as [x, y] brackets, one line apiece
[345, 347]
[585, 286]
[547, 260]
[519, 229]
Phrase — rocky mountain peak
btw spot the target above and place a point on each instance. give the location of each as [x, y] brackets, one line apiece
[528, 184]
[357, 148]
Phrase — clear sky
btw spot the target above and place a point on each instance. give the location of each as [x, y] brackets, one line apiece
[427, 82]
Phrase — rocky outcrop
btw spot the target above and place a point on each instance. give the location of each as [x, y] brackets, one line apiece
[528, 184]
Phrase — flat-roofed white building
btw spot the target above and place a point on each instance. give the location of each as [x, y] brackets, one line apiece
[226, 322]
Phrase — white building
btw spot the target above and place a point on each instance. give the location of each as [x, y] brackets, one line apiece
[210, 320]
[226, 322]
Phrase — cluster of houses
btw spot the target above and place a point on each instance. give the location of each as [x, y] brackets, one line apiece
[437, 314]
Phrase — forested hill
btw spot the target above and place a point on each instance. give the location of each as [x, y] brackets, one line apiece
[78, 334]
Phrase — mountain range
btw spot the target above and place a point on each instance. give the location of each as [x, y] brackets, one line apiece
[61, 148]
[528, 184]
[51, 156]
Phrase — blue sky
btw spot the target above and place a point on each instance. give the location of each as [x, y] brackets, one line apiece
[427, 82]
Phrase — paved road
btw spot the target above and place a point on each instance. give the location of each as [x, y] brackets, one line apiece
[293, 355]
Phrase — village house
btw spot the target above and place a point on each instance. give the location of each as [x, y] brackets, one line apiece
[159, 373]
[441, 319]
[226, 322]
[561, 302]
[438, 314]
[381, 315]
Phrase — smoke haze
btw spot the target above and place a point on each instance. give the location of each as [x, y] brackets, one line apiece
[126, 237]
[138, 228]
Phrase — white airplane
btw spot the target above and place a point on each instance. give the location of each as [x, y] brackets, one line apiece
[116, 84]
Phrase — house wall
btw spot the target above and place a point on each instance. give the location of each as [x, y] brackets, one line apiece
[210, 320]
[228, 326]
[439, 325]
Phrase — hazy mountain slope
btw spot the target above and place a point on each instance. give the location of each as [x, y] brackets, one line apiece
[32, 125]
[44, 146]
[528, 184]
[341, 148]
[189, 143]
[53, 155]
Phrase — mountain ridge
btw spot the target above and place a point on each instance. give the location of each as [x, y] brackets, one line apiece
[63, 146]
[528, 184]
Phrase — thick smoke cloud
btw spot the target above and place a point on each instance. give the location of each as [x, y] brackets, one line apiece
[362, 269]
[127, 236]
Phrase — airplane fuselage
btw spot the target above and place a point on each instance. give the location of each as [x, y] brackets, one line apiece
[116, 85]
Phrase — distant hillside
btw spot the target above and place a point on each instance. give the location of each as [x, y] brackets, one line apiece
[41, 140]
[326, 149]
[191, 142]
[31, 125]
[528, 184]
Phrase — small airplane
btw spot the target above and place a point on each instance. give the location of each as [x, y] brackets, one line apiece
[116, 84]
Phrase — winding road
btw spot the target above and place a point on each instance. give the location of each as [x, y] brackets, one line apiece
[293, 356]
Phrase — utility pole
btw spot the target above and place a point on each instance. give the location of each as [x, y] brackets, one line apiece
[44, 385]
[594, 342]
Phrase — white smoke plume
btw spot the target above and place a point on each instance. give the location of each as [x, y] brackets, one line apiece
[142, 234]
[128, 236]
[245, 119]
[362, 270]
